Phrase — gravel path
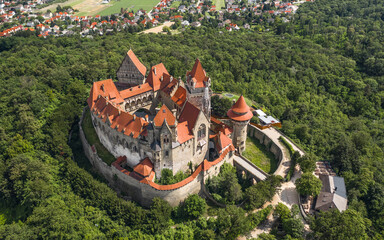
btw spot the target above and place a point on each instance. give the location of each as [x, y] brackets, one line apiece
[159, 28]
[287, 193]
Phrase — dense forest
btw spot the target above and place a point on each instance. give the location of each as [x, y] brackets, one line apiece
[322, 75]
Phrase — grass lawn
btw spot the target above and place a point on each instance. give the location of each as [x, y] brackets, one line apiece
[233, 96]
[219, 4]
[260, 156]
[130, 4]
[93, 139]
[175, 4]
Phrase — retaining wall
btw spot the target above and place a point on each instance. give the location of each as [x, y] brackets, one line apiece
[271, 146]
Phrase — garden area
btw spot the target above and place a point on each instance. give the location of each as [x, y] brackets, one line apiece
[93, 139]
[258, 154]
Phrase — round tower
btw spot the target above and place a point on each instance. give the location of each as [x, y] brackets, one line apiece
[240, 115]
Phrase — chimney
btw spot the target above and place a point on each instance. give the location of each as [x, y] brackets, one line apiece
[174, 111]
[154, 70]
[161, 78]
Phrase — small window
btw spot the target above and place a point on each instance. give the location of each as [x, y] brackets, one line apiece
[166, 153]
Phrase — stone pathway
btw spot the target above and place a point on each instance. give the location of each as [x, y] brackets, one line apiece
[287, 193]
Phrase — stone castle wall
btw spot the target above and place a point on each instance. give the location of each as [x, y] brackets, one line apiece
[271, 146]
[144, 193]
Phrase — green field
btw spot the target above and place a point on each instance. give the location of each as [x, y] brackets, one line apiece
[93, 139]
[130, 4]
[235, 97]
[219, 4]
[260, 156]
[175, 4]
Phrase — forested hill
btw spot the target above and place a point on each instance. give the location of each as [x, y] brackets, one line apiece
[319, 85]
[355, 28]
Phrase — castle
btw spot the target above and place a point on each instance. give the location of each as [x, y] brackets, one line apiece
[154, 121]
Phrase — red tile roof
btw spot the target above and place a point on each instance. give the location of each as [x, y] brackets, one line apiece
[189, 114]
[240, 110]
[157, 74]
[207, 164]
[133, 91]
[144, 168]
[119, 119]
[223, 141]
[164, 115]
[183, 133]
[104, 88]
[180, 96]
[204, 166]
[198, 74]
[137, 62]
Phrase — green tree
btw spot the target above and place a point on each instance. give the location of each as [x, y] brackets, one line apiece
[159, 215]
[231, 222]
[308, 185]
[335, 225]
[307, 164]
[194, 206]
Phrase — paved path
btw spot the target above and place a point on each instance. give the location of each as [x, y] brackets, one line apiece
[287, 193]
[253, 170]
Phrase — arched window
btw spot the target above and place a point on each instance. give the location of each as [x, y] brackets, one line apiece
[201, 132]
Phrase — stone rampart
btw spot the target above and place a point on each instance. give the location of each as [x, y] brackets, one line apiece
[271, 146]
[143, 192]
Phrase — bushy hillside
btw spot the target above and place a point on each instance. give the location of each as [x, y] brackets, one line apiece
[328, 99]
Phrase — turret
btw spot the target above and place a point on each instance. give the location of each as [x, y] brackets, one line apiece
[240, 115]
[198, 88]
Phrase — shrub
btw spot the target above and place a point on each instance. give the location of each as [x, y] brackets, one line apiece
[194, 206]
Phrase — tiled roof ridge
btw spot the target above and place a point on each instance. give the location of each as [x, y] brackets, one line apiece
[240, 111]
[136, 61]
[119, 118]
[198, 74]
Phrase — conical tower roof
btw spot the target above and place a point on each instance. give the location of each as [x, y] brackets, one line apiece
[240, 111]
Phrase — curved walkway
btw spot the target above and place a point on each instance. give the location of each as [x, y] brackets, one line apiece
[287, 193]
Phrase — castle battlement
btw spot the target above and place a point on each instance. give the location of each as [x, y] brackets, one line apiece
[160, 122]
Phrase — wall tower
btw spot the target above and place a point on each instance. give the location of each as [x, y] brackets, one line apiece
[240, 115]
[198, 88]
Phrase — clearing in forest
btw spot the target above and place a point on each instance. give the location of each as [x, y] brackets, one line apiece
[260, 156]
[219, 4]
